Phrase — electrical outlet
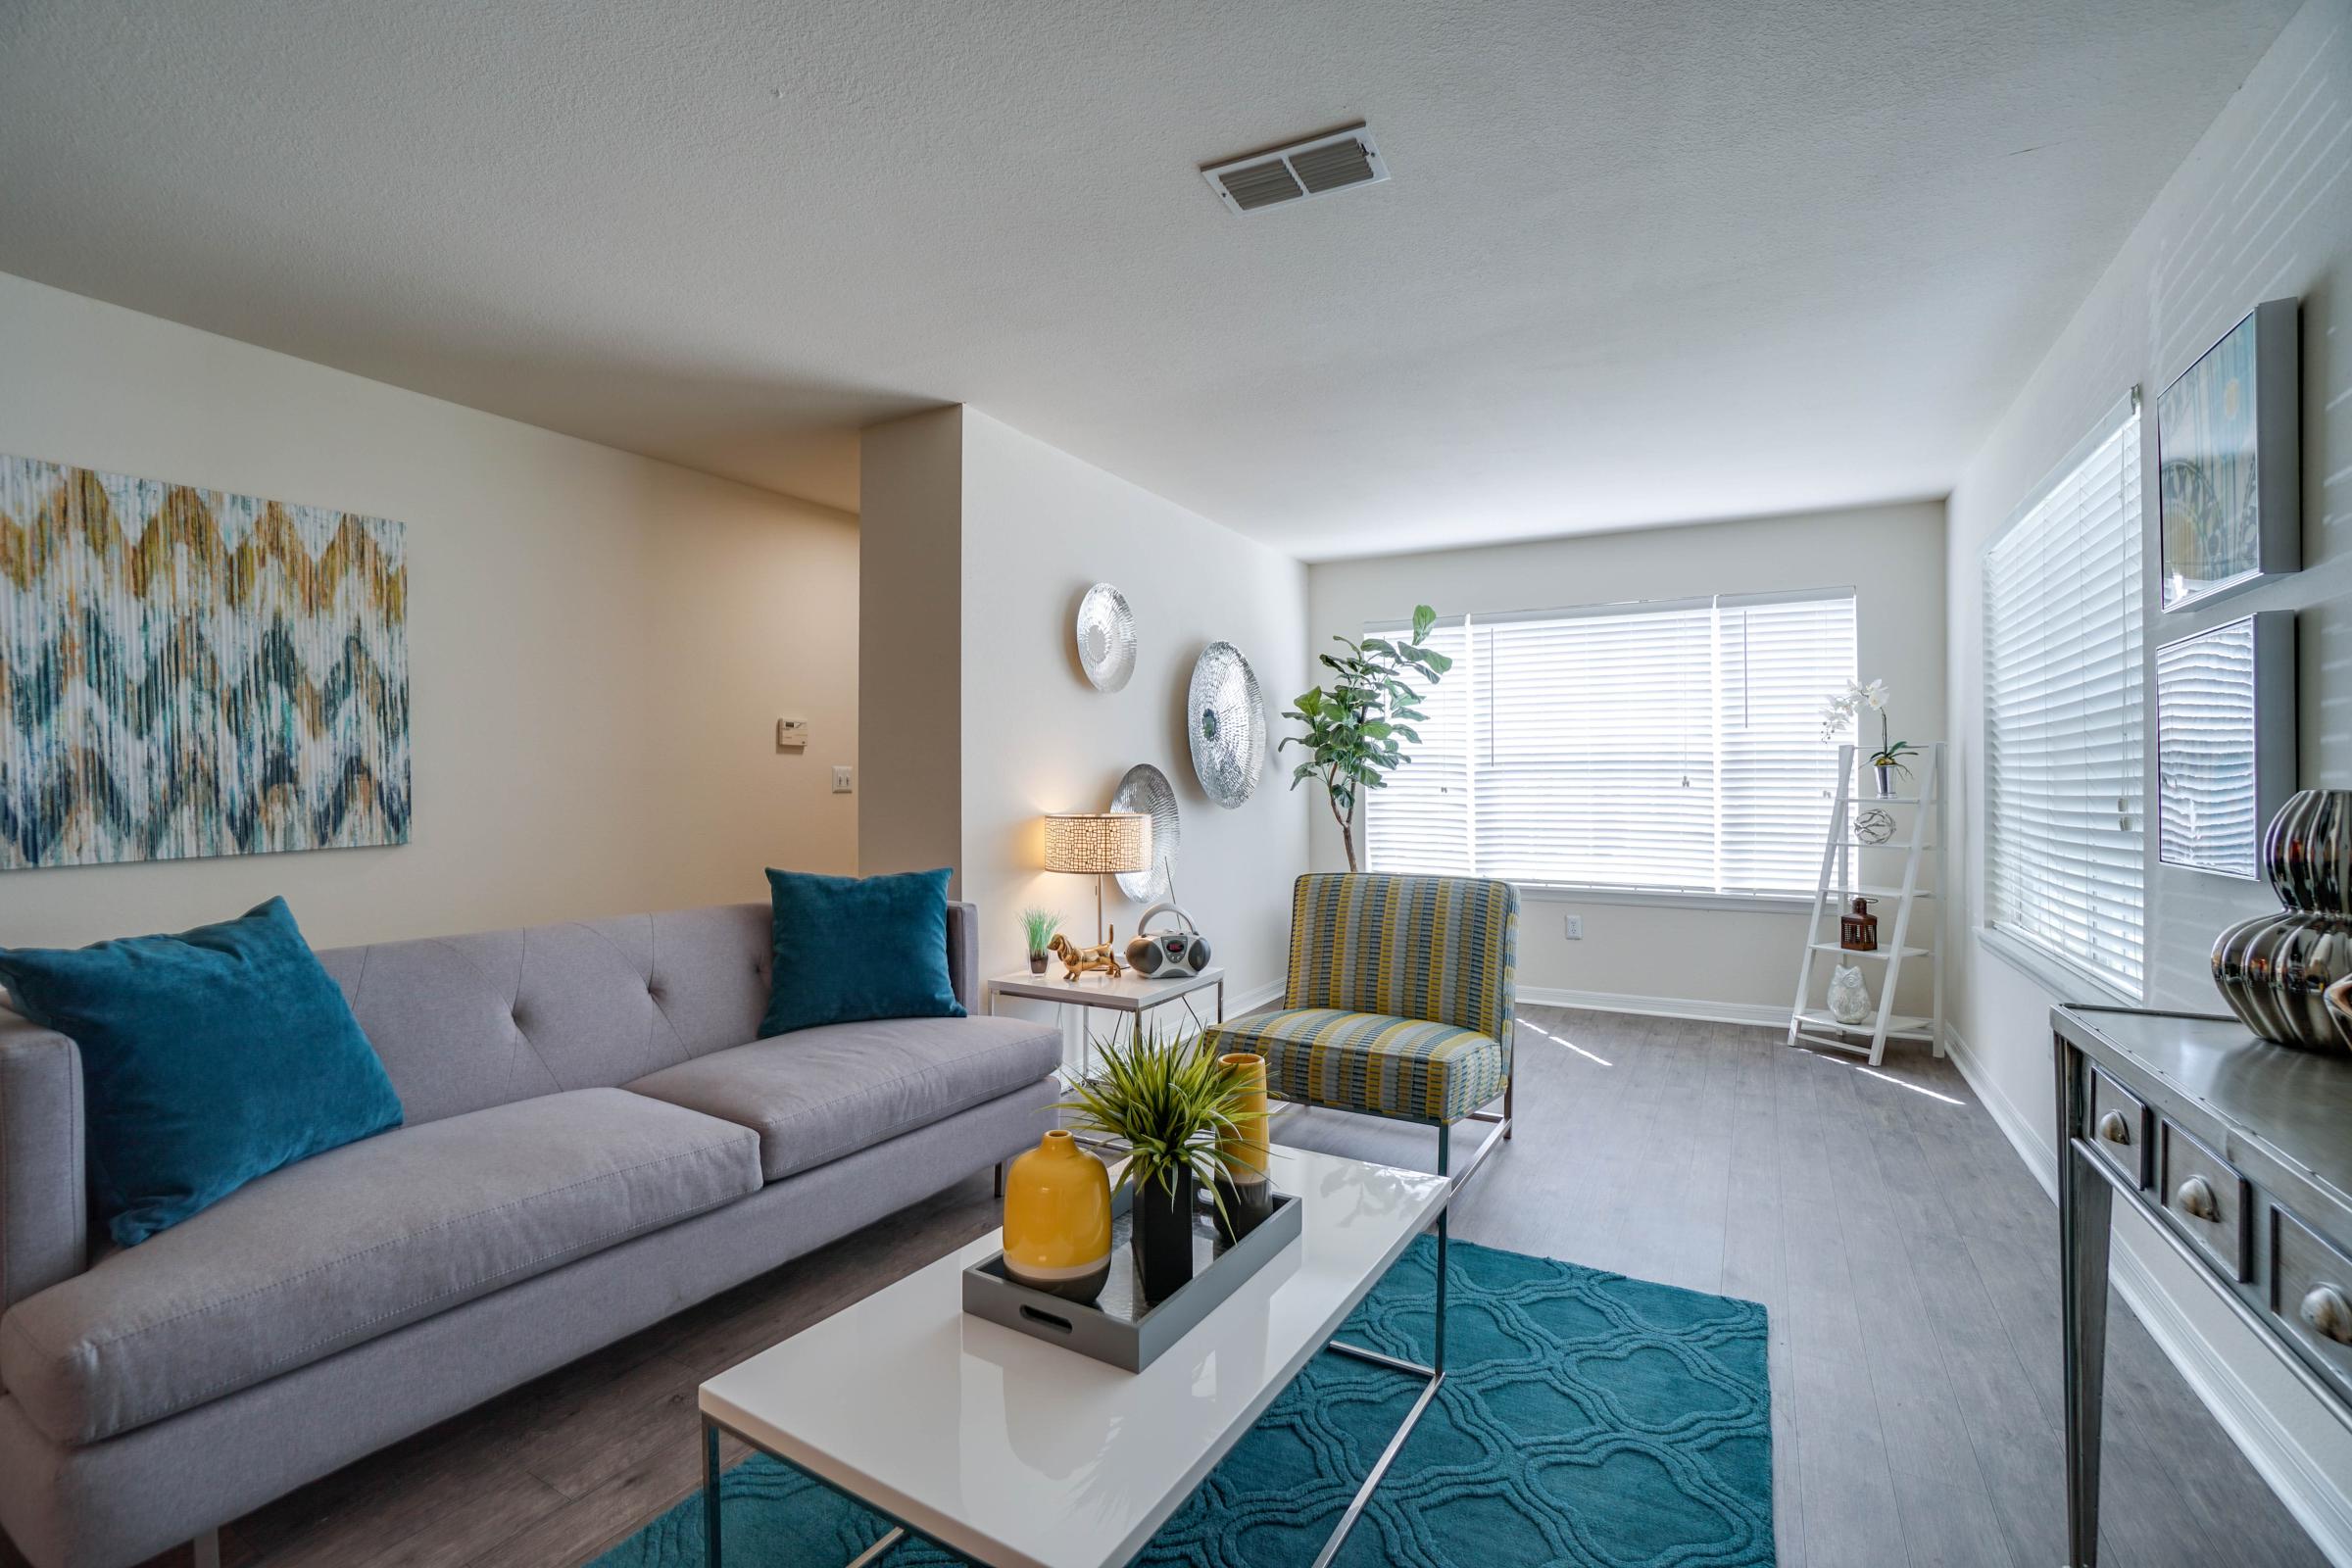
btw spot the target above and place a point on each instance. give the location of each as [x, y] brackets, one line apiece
[1572, 927]
[841, 780]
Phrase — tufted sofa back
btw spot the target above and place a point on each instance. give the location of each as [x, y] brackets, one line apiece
[466, 1022]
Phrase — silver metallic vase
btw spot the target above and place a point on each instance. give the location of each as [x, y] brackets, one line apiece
[2275, 969]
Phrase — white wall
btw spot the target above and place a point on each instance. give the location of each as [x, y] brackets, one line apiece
[1039, 527]
[598, 645]
[1732, 960]
[2261, 208]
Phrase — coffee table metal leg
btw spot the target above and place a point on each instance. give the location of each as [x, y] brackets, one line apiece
[874, 1553]
[710, 1558]
[1396, 1364]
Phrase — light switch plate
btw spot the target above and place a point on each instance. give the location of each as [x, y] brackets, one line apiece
[841, 779]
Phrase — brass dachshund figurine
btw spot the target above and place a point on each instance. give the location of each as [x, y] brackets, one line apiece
[1077, 961]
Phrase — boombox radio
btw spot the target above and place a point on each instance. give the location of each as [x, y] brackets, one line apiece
[1167, 955]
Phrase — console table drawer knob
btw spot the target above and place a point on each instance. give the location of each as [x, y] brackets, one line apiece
[2114, 1128]
[2327, 1312]
[2194, 1197]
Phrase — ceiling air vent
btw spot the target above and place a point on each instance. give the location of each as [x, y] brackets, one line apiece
[1292, 173]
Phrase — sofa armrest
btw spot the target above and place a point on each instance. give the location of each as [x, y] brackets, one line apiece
[963, 953]
[44, 1204]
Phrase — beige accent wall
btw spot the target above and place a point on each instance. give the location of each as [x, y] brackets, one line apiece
[1731, 961]
[598, 645]
[2261, 208]
[910, 646]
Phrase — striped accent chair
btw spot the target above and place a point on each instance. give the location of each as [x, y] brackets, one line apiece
[1399, 1002]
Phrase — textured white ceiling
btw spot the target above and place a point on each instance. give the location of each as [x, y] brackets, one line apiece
[1640, 260]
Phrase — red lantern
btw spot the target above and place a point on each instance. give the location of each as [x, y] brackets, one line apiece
[1858, 932]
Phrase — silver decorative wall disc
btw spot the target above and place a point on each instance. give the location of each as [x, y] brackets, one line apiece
[1226, 720]
[1105, 637]
[1146, 788]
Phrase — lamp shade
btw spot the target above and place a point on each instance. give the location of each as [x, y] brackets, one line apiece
[1099, 843]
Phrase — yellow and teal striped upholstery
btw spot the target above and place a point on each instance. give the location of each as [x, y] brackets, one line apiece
[1441, 948]
[1367, 1061]
[1399, 999]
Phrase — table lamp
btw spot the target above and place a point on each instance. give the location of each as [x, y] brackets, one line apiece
[1104, 842]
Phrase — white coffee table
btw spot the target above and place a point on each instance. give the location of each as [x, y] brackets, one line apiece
[1022, 1454]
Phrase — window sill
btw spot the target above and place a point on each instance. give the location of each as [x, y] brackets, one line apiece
[1663, 899]
[2060, 979]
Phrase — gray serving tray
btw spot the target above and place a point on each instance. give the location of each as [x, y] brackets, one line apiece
[1118, 1326]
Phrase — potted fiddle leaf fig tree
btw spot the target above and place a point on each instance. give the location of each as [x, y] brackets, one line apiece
[1357, 727]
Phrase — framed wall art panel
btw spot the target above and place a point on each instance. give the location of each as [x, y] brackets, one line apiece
[2228, 461]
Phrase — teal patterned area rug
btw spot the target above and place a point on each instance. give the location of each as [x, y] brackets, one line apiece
[1586, 1419]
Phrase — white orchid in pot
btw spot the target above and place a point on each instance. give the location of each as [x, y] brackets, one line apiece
[1844, 711]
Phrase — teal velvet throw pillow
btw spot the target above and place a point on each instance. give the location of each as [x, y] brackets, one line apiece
[208, 1059]
[853, 948]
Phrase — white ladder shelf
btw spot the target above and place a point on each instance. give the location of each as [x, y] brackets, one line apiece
[1902, 938]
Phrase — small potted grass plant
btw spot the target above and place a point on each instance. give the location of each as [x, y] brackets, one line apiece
[1168, 1099]
[1039, 927]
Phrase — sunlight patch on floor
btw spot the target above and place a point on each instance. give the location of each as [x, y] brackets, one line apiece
[1570, 1043]
[1868, 1071]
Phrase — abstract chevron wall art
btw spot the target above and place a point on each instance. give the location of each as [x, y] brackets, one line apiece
[185, 672]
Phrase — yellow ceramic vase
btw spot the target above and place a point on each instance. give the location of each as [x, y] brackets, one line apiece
[1057, 1219]
[1244, 1150]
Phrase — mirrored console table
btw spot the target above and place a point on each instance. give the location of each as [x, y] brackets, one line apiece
[2239, 1153]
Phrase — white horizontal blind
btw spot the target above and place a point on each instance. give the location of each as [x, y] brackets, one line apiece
[2064, 748]
[1672, 746]
[1420, 823]
[1780, 658]
[1593, 748]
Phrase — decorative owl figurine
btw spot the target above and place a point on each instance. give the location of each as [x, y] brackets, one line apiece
[1849, 998]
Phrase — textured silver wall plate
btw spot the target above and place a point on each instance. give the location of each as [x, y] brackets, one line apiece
[1225, 720]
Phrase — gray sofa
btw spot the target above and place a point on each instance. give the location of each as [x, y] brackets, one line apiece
[594, 1140]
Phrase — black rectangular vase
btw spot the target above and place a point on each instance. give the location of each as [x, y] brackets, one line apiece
[1162, 1224]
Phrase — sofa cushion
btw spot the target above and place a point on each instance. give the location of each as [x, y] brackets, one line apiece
[848, 949]
[355, 1242]
[209, 1059]
[818, 1094]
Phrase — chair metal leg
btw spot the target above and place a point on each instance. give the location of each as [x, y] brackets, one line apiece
[1507, 1091]
[1444, 1158]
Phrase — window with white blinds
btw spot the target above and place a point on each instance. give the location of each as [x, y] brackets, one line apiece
[1670, 747]
[2064, 738]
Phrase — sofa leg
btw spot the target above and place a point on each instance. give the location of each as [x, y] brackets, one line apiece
[205, 1549]
[1000, 1179]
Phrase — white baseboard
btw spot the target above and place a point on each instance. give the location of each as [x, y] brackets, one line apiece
[2318, 1501]
[1657, 1007]
[1256, 997]
[2024, 1137]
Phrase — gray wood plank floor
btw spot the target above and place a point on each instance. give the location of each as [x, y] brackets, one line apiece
[1907, 1260]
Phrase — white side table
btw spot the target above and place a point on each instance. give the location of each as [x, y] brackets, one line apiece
[1128, 994]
